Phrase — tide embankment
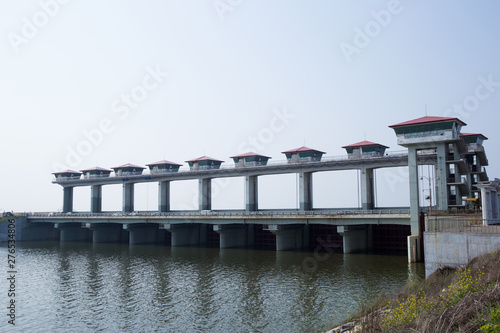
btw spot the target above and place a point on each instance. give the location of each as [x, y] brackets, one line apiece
[452, 299]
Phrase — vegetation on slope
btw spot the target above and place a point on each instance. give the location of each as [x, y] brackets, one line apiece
[464, 299]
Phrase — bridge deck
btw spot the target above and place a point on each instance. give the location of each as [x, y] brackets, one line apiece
[332, 164]
[347, 217]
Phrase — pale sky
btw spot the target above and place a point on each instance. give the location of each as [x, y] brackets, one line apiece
[86, 83]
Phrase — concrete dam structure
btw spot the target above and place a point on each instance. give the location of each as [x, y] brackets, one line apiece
[458, 160]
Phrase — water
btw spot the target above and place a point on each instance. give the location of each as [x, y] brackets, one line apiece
[82, 287]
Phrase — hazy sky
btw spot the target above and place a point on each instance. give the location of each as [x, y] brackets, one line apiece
[86, 83]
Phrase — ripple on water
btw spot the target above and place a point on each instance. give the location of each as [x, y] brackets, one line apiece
[112, 288]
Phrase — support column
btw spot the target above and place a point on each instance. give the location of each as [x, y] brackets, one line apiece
[205, 193]
[305, 191]
[96, 199]
[106, 232]
[356, 238]
[186, 234]
[290, 237]
[164, 196]
[486, 204]
[234, 235]
[67, 199]
[142, 233]
[72, 232]
[497, 205]
[441, 178]
[458, 176]
[414, 191]
[128, 197]
[367, 192]
[414, 205]
[251, 193]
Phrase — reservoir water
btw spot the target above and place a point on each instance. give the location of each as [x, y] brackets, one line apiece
[85, 287]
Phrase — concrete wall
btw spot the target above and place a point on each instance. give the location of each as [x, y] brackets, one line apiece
[454, 249]
[26, 231]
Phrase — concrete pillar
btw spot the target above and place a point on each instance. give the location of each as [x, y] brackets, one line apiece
[67, 199]
[142, 233]
[234, 235]
[290, 236]
[187, 234]
[128, 197]
[367, 189]
[497, 204]
[356, 238]
[164, 196]
[441, 178]
[414, 249]
[205, 193]
[251, 193]
[96, 199]
[486, 204]
[414, 191]
[106, 232]
[494, 205]
[458, 176]
[305, 191]
[72, 232]
[414, 201]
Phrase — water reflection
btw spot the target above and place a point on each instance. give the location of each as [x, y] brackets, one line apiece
[114, 287]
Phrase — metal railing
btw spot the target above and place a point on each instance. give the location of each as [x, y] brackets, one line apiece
[206, 213]
[187, 169]
[462, 224]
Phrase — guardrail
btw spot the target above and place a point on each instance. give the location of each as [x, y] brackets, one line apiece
[459, 224]
[223, 214]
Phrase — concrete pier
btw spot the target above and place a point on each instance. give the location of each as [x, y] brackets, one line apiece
[128, 197]
[234, 235]
[356, 238]
[367, 189]
[205, 193]
[441, 177]
[106, 232]
[414, 189]
[290, 236]
[67, 199]
[164, 196]
[305, 191]
[73, 232]
[142, 233]
[251, 193]
[96, 199]
[186, 234]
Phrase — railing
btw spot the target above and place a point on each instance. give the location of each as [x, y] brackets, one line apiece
[462, 224]
[205, 213]
[474, 147]
[187, 169]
